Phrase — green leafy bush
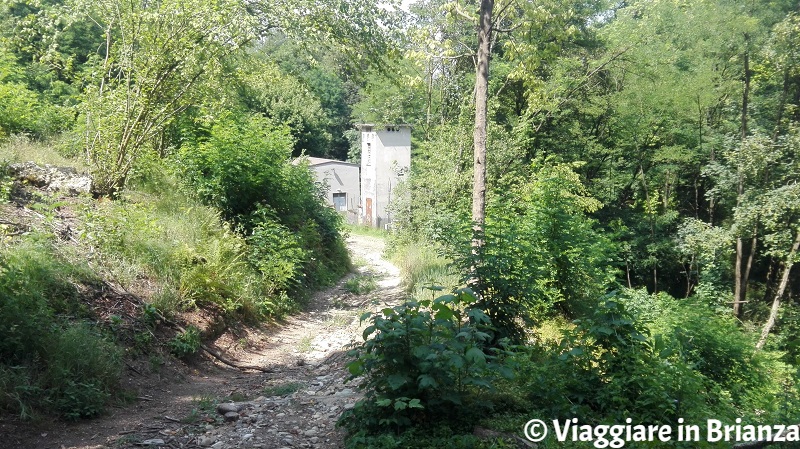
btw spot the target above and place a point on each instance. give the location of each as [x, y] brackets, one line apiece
[242, 164]
[609, 367]
[243, 168]
[186, 343]
[83, 367]
[275, 251]
[686, 362]
[424, 361]
[541, 252]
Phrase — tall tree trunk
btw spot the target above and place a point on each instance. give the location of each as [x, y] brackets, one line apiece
[738, 289]
[740, 279]
[746, 90]
[481, 100]
[781, 105]
[773, 314]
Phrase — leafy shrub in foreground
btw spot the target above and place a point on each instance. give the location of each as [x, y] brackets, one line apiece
[83, 367]
[424, 361]
[185, 343]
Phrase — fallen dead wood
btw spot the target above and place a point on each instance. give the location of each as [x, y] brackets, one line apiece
[225, 361]
[213, 353]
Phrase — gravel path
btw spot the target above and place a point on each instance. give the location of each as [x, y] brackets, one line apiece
[204, 404]
[308, 354]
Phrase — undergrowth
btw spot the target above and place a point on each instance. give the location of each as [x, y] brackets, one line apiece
[240, 259]
[422, 266]
[360, 284]
[196, 258]
[52, 358]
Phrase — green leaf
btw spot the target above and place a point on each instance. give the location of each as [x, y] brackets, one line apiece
[368, 331]
[396, 381]
[457, 361]
[442, 311]
[426, 381]
[445, 299]
[475, 355]
[506, 372]
[575, 352]
[356, 367]
[604, 330]
[415, 403]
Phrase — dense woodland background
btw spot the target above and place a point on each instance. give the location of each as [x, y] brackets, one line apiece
[642, 219]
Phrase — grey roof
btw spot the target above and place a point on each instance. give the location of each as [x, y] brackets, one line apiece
[312, 161]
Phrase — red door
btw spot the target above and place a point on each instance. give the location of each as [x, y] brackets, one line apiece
[369, 212]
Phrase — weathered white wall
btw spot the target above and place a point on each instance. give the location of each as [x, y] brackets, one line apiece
[339, 177]
[385, 161]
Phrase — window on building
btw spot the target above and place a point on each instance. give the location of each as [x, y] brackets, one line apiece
[340, 201]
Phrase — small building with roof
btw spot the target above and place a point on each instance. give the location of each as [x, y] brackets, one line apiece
[342, 183]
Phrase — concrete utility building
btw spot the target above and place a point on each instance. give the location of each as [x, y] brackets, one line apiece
[342, 180]
[385, 162]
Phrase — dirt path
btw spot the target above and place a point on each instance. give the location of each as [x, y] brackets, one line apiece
[296, 405]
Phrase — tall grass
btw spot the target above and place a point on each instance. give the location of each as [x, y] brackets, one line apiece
[422, 266]
[368, 231]
[57, 151]
[156, 234]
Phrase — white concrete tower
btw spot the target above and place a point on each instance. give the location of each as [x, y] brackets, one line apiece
[385, 162]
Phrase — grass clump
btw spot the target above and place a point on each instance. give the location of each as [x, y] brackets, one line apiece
[186, 343]
[21, 148]
[422, 266]
[368, 231]
[46, 361]
[360, 284]
[282, 389]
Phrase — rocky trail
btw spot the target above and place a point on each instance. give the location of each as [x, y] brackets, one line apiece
[295, 404]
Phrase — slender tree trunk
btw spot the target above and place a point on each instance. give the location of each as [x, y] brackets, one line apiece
[770, 280]
[773, 314]
[628, 274]
[746, 90]
[740, 281]
[429, 100]
[481, 100]
[651, 215]
[738, 288]
[740, 296]
[781, 105]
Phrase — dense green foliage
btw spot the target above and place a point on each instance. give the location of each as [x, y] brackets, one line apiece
[642, 179]
[650, 145]
[187, 121]
[541, 252]
[48, 362]
[424, 361]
